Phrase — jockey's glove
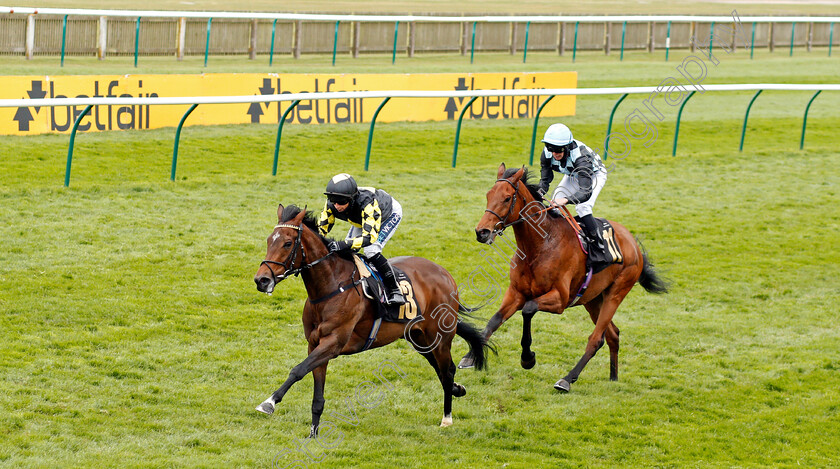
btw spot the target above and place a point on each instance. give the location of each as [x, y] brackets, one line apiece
[337, 246]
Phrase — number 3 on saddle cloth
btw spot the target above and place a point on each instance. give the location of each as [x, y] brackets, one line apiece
[373, 289]
[600, 259]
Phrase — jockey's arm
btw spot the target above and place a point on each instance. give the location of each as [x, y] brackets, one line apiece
[585, 178]
[371, 224]
[326, 220]
[546, 173]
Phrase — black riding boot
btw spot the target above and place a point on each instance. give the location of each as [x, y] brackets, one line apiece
[393, 295]
[590, 226]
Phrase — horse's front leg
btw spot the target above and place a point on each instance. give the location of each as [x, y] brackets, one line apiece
[511, 303]
[327, 349]
[551, 302]
[320, 376]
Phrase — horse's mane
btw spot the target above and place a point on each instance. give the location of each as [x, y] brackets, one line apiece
[310, 220]
[533, 187]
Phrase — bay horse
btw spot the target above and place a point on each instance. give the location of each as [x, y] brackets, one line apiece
[338, 319]
[549, 268]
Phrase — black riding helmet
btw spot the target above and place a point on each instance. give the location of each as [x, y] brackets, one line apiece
[341, 189]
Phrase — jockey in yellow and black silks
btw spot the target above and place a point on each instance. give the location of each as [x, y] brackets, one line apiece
[374, 216]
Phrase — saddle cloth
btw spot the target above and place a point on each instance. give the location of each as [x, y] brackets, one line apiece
[600, 259]
[373, 289]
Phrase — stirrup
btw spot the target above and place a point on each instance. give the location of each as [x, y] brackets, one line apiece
[394, 298]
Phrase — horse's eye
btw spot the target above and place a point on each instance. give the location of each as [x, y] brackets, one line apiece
[507, 199]
[287, 244]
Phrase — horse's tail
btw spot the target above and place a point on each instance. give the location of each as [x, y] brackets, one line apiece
[650, 280]
[478, 344]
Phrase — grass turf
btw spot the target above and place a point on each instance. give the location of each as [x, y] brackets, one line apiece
[133, 334]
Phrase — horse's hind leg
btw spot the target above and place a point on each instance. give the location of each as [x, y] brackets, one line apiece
[528, 359]
[611, 335]
[441, 360]
[596, 339]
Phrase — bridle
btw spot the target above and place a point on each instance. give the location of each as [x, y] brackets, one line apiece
[290, 261]
[503, 220]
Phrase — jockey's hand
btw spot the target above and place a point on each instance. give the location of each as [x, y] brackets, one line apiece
[561, 201]
[338, 246]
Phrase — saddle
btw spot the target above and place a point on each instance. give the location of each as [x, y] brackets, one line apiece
[374, 289]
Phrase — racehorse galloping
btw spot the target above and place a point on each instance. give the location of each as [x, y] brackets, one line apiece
[552, 269]
[337, 320]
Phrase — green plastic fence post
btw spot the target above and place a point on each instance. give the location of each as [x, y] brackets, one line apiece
[207, 44]
[623, 31]
[72, 142]
[63, 38]
[534, 133]
[396, 32]
[752, 42]
[679, 116]
[335, 42]
[609, 126]
[136, 41]
[178, 140]
[574, 45]
[830, 38]
[458, 130]
[271, 51]
[472, 48]
[747, 115]
[711, 38]
[805, 119]
[370, 134]
[792, 31]
[279, 133]
[668, 41]
[525, 49]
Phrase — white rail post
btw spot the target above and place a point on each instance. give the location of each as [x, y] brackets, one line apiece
[355, 40]
[296, 40]
[513, 28]
[252, 43]
[182, 34]
[651, 36]
[561, 38]
[412, 27]
[30, 37]
[607, 27]
[102, 40]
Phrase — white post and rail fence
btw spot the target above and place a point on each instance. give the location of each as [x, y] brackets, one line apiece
[100, 33]
[295, 98]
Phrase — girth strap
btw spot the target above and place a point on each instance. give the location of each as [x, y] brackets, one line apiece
[582, 288]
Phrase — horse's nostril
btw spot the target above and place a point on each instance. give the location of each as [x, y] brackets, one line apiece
[262, 282]
[481, 235]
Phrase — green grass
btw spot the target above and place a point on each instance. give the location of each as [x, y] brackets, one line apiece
[132, 333]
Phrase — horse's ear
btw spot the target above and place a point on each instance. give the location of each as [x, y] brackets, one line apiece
[501, 171]
[280, 212]
[299, 218]
[518, 175]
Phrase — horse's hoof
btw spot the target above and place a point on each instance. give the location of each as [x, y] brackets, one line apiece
[467, 362]
[266, 407]
[446, 421]
[458, 390]
[530, 362]
[562, 386]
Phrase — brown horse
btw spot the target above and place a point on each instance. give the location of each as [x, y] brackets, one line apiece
[549, 269]
[338, 320]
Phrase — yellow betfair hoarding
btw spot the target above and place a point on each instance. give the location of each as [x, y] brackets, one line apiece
[35, 120]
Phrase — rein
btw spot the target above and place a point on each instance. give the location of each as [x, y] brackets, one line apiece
[290, 261]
